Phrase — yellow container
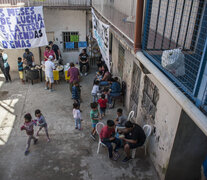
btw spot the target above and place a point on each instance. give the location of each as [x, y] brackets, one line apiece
[66, 77]
[56, 75]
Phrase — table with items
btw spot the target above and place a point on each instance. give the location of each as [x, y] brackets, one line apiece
[56, 72]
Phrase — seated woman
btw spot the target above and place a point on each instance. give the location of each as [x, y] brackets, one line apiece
[106, 76]
[114, 91]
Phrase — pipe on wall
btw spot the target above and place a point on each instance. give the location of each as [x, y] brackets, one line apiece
[138, 26]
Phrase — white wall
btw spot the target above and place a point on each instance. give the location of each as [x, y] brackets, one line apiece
[56, 22]
[59, 21]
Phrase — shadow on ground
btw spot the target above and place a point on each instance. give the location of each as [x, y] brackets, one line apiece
[71, 154]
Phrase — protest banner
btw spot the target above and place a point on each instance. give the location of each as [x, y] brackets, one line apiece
[101, 34]
[22, 27]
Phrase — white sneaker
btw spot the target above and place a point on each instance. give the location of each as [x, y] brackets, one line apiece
[86, 74]
[81, 74]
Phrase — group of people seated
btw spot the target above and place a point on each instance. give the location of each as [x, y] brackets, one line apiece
[105, 83]
[129, 136]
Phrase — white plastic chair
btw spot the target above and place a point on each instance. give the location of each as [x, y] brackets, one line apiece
[99, 127]
[147, 130]
[130, 116]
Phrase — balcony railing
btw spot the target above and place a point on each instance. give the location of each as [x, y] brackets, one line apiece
[174, 24]
[47, 3]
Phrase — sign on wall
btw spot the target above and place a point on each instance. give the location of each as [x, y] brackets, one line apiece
[22, 27]
[101, 34]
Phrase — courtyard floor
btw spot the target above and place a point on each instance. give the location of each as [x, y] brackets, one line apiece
[71, 154]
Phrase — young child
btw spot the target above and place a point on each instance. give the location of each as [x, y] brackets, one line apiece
[29, 128]
[102, 103]
[75, 92]
[121, 119]
[77, 116]
[20, 69]
[99, 76]
[41, 123]
[94, 115]
[6, 68]
[95, 90]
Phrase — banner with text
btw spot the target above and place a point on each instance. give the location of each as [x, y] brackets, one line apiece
[101, 34]
[22, 27]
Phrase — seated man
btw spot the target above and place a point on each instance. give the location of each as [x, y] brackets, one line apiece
[107, 136]
[114, 91]
[121, 119]
[134, 137]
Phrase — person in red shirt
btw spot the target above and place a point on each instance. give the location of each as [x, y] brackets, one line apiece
[49, 52]
[107, 136]
[102, 103]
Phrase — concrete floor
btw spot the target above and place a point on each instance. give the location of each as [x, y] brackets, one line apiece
[71, 154]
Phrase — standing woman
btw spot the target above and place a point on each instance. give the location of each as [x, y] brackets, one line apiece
[6, 68]
[49, 52]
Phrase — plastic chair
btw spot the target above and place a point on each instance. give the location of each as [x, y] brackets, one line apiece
[147, 130]
[130, 116]
[99, 127]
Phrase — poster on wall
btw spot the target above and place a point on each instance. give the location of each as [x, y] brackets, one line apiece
[101, 34]
[22, 27]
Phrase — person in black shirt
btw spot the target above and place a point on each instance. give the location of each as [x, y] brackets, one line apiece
[28, 57]
[134, 137]
[83, 60]
[56, 49]
[2, 63]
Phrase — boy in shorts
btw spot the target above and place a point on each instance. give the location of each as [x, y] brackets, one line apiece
[20, 69]
[49, 67]
[94, 115]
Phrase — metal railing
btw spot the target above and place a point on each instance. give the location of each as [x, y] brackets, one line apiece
[49, 3]
[174, 24]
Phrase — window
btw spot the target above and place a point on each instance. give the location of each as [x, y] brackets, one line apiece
[70, 37]
[149, 100]
[134, 98]
[121, 60]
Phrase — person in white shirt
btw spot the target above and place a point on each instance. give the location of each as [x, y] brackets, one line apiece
[49, 67]
[95, 91]
[77, 116]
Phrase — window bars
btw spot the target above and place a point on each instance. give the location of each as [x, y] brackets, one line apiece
[171, 24]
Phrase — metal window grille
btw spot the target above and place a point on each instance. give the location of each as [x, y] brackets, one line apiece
[150, 99]
[67, 38]
[171, 24]
[134, 98]
[121, 60]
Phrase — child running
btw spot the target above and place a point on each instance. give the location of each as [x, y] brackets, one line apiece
[20, 69]
[77, 116]
[94, 115]
[102, 103]
[29, 128]
[41, 123]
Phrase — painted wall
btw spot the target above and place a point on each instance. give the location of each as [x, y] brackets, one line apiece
[56, 22]
[165, 125]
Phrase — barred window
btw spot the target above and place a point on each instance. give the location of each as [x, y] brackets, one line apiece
[70, 37]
